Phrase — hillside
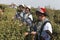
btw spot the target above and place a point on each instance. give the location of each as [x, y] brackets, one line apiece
[10, 29]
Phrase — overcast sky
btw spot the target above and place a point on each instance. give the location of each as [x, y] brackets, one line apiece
[35, 3]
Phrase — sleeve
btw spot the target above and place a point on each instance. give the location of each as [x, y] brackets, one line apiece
[48, 26]
[30, 16]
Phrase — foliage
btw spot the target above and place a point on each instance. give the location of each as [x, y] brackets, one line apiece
[10, 29]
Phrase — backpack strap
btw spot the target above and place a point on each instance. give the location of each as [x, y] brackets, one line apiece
[43, 27]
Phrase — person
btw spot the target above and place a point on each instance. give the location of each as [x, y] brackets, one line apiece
[28, 18]
[1, 12]
[19, 13]
[44, 27]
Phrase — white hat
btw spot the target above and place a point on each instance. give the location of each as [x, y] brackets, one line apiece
[29, 6]
[23, 5]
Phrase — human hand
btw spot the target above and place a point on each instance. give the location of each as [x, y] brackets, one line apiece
[33, 33]
[26, 33]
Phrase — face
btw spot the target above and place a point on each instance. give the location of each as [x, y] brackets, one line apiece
[27, 10]
[20, 9]
[40, 17]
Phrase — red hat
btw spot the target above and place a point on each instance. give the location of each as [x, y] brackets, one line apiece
[41, 11]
